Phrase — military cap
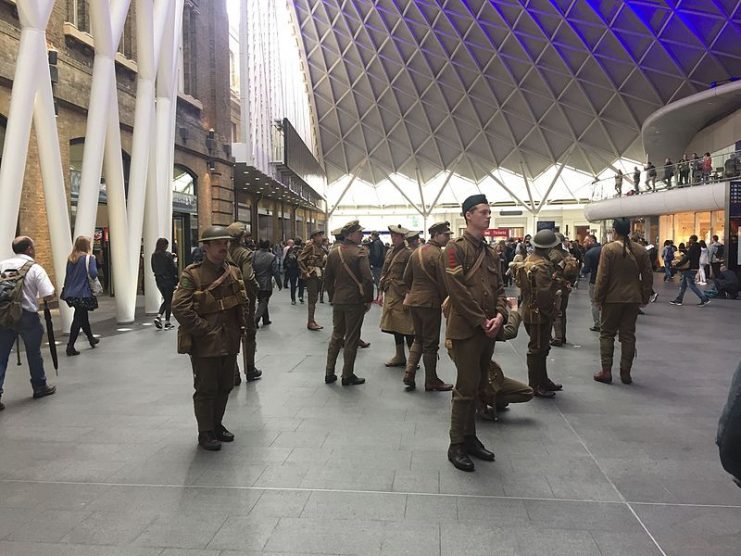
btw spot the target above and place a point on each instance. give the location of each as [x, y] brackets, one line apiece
[337, 232]
[351, 227]
[316, 233]
[237, 229]
[440, 228]
[545, 239]
[621, 226]
[560, 237]
[212, 233]
[472, 201]
[398, 229]
[412, 234]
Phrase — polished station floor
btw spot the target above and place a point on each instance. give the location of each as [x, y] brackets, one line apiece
[109, 465]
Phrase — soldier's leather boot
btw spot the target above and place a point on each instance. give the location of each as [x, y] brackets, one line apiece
[253, 374]
[625, 376]
[604, 376]
[432, 381]
[410, 371]
[552, 386]
[399, 359]
[237, 377]
[2, 405]
[362, 344]
[208, 441]
[474, 447]
[223, 435]
[459, 458]
[541, 392]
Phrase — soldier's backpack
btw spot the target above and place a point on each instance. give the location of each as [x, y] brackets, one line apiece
[11, 295]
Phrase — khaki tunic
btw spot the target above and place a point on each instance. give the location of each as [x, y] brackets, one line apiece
[395, 317]
[473, 300]
[621, 279]
[341, 288]
[423, 277]
[311, 261]
[215, 332]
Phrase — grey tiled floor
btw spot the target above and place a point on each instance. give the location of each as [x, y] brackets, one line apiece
[109, 466]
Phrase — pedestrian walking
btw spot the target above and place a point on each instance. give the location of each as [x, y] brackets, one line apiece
[78, 294]
[166, 276]
[692, 261]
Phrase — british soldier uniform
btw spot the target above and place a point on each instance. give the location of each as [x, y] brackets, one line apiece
[395, 318]
[311, 263]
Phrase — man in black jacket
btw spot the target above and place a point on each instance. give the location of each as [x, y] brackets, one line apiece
[376, 256]
[688, 276]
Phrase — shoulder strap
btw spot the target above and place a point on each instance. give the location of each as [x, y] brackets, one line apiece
[220, 280]
[350, 272]
[476, 265]
[87, 265]
[422, 264]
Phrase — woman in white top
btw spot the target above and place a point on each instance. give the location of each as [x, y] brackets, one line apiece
[704, 263]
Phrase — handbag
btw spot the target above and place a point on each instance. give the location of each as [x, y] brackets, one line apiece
[94, 283]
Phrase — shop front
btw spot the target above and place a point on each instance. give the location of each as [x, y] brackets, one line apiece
[184, 214]
[681, 225]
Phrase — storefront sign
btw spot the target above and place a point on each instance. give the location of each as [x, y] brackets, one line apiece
[502, 233]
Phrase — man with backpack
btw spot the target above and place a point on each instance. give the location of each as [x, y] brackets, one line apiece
[22, 282]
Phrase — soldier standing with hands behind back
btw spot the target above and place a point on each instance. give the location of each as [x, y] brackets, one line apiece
[472, 276]
[311, 262]
[210, 305]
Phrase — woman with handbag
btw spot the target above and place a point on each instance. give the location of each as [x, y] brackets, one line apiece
[81, 285]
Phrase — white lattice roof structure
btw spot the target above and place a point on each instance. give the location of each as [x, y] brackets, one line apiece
[418, 88]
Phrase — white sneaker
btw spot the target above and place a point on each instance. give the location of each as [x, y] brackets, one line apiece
[169, 326]
[158, 322]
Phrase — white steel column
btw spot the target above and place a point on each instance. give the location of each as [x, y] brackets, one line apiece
[152, 297]
[32, 96]
[150, 21]
[244, 83]
[103, 145]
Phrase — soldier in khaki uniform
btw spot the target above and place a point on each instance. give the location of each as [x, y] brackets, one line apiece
[350, 287]
[537, 279]
[396, 319]
[624, 283]
[559, 257]
[242, 257]
[424, 282]
[311, 263]
[210, 304]
[478, 308]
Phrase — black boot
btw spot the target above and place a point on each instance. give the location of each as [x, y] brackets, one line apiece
[208, 441]
[71, 350]
[93, 341]
[459, 458]
[223, 435]
[253, 374]
[475, 448]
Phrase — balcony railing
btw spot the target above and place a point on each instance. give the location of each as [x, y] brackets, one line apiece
[680, 174]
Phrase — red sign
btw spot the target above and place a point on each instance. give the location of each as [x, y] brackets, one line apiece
[497, 232]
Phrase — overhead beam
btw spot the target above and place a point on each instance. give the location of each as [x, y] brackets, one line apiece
[503, 186]
[550, 187]
[421, 193]
[347, 188]
[527, 186]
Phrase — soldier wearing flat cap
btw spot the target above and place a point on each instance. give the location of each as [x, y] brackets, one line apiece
[566, 270]
[350, 286]
[395, 318]
[424, 281]
[478, 308]
[241, 256]
[210, 304]
[311, 262]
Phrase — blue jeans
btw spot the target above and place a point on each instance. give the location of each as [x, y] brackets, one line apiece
[688, 279]
[667, 269]
[32, 333]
